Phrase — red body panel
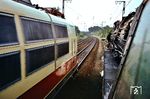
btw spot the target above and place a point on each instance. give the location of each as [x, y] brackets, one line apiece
[40, 90]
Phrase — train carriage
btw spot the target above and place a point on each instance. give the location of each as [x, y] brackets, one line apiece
[33, 45]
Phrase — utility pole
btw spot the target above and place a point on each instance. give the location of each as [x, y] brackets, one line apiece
[124, 4]
[102, 23]
[63, 5]
[93, 20]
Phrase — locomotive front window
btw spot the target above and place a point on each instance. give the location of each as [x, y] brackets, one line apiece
[10, 70]
[7, 30]
[38, 57]
[36, 30]
[61, 31]
[63, 49]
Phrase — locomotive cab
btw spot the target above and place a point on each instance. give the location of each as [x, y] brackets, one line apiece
[133, 79]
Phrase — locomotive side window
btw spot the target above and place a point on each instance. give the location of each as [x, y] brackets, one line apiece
[36, 30]
[61, 31]
[7, 30]
[38, 57]
[9, 69]
[63, 49]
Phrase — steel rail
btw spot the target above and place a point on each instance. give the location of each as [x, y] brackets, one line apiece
[83, 42]
[86, 51]
[82, 55]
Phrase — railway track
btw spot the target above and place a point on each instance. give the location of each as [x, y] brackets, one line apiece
[84, 52]
[81, 56]
[83, 43]
[61, 75]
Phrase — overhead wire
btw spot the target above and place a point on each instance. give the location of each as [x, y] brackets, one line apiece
[111, 18]
[121, 10]
[128, 3]
[83, 22]
[74, 11]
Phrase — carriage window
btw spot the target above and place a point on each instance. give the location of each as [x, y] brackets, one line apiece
[9, 69]
[36, 30]
[7, 30]
[61, 31]
[38, 57]
[63, 49]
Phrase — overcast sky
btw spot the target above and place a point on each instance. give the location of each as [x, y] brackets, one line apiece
[86, 13]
